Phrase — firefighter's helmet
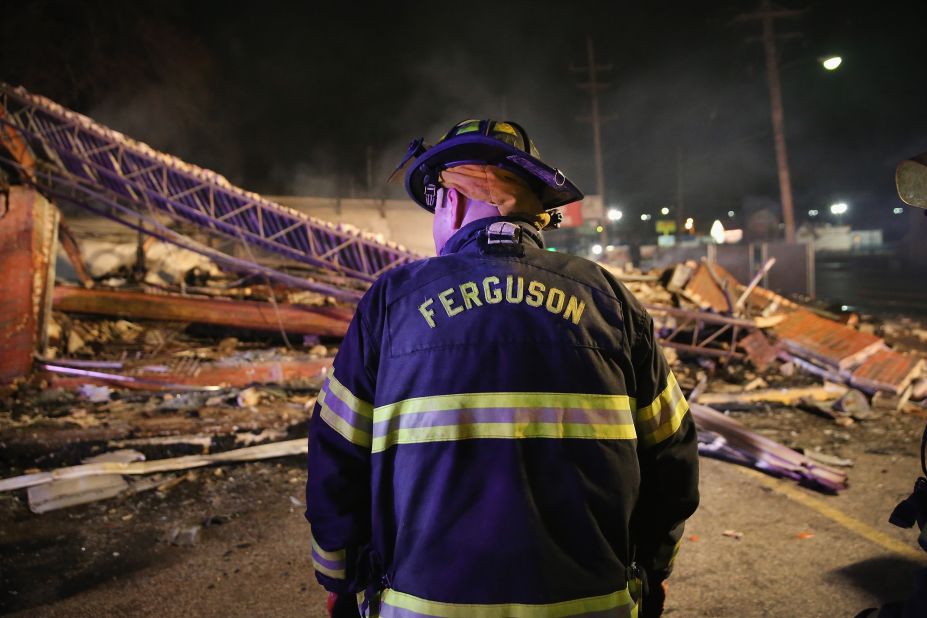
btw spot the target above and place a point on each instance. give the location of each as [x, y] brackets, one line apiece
[488, 142]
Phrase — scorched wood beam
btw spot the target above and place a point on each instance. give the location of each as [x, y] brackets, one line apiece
[245, 314]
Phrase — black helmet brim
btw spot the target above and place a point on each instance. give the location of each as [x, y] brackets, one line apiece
[551, 185]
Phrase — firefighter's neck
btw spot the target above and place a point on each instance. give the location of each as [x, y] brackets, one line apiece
[454, 210]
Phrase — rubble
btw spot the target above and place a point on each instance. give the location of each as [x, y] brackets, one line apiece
[146, 382]
[723, 437]
[164, 343]
[251, 453]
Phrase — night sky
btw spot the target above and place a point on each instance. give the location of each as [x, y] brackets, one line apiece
[290, 97]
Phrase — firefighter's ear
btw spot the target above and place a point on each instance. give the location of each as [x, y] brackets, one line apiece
[450, 208]
[456, 205]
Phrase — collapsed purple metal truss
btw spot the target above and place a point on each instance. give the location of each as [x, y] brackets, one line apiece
[130, 181]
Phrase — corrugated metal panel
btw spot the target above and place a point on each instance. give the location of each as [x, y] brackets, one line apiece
[707, 294]
[813, 337]
[887, 370]
[759, 350]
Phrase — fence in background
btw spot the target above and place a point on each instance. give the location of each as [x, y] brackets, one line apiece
[792, 274]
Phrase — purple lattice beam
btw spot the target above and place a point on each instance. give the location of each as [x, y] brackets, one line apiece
[106, 164]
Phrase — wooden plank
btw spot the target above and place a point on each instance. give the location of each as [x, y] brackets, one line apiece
[294, 319]
[828, 392]
[251, 453]
[72, 249]
[234, 375]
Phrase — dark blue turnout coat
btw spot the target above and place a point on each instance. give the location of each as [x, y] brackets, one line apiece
[500, 436]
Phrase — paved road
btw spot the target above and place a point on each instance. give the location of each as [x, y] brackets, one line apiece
[97, 560]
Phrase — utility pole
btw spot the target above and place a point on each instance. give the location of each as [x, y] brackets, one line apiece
[369, 154]
[593, 86]
[680, 197]
[767, 16]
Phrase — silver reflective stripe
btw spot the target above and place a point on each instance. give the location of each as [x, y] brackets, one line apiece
[618, 604]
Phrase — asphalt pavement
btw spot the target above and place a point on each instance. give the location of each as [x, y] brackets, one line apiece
[756, 547]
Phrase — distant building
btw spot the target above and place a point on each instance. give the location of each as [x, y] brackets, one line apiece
[838, 237]
[399, 221]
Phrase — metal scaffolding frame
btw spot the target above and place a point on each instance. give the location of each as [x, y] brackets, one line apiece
[129, 181]
[703, 333]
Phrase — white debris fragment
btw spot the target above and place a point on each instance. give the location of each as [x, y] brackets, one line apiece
[249, 397]
[71, 492]
[94, 393]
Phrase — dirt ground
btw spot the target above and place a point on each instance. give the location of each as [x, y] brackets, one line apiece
[251, 552]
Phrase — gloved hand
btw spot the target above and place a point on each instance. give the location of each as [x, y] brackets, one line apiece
[652, 602]
[342, 606]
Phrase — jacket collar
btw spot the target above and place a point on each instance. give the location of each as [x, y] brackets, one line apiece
[464, 239]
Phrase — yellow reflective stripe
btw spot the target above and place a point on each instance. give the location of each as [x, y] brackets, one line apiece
[503, 415]
[503, 400]
[330, 563]
[447, 433]
[348, 431]
[620, 600]
[334, 556]
[675, 552]
[348, 398]
[659, 420]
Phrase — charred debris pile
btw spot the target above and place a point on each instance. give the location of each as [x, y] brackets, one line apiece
[202, 335]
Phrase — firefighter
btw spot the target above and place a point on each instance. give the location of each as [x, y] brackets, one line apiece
[500, 434]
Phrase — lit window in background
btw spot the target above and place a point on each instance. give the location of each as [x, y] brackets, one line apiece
[664, 211]
[645, 217]
[609, 248]
[597, 249]
[813, 213]
[614, 214]
[839, 208]
[898, 210]
[690, 223]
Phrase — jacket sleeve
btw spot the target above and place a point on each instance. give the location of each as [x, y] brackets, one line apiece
[668, 454]
[338, 489]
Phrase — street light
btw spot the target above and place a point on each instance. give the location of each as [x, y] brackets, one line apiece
[717, 232]
[831, 62]
[597, 249]
[664, 211]
[645, 217]
[813, 212]
[614, 214]
[839, 208]
[690, 223]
